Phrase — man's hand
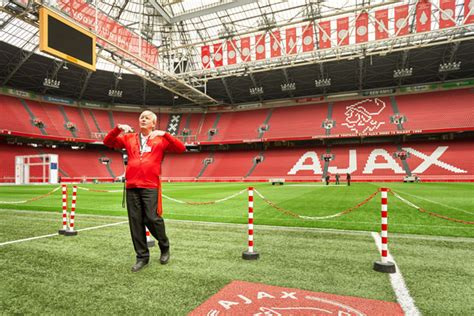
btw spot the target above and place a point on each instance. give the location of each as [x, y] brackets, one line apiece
[153, 134]
[125, 128]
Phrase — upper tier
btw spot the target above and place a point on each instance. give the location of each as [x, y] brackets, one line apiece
[405, 114]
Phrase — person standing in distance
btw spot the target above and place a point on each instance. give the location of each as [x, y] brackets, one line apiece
[348, 178]
[143, 187]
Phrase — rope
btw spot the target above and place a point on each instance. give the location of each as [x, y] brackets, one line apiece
[431, 213]
[290, 213]
[204, 203]
[102, 191]
[32, 199]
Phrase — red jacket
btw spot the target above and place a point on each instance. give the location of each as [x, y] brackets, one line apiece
[143, 169]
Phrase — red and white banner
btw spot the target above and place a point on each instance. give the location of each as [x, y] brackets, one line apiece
[325, 34]
[447, 13]
[423, 16]
[260, 46]
[245, 49]
[381, 24]
[469, 11]
[362, 27]
[401, 20]
[308, 37]
[275, 43]
[205, 56]
[109, 29]
[231, 52]
[343, 31]
[291, 41]
[218, 56]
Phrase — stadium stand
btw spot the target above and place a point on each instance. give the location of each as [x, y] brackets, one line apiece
[376, 162]
[373, 116]
[297, 121]
[438, 110]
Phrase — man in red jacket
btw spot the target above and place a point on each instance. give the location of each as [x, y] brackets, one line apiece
[145, 153]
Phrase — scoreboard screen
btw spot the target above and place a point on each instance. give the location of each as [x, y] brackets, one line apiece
[66, 40]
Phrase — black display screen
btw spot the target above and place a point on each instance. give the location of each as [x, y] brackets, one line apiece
[69, 41]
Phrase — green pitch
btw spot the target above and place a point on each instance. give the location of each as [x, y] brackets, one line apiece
[311, 201]
[90, 273]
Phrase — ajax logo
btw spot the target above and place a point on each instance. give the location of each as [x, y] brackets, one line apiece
[361, 117]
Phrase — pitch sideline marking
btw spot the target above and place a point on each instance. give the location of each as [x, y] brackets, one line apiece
[272, 228]
[56, 234]
[398, 284]
[439, 203]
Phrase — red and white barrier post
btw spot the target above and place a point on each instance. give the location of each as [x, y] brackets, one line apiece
[384, 265]
[150, 242]
[250, 254]
[64, 204]
[71, 231]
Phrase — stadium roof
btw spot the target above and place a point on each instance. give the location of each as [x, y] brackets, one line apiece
[178, 30]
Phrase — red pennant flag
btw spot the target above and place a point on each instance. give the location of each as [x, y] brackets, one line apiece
[275, 43]
[291, 41]
[362, 28]
[206, 56]
[260, 46]
[218, 57]
[401, 20]
[245, 49]
[343, 31]
[231, 52]
[469, 11]
[381, 24]
[446, 14]
[423, 16]
[325, 34]
[308, 37]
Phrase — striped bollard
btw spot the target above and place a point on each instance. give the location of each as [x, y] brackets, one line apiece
[384, 265]
[250, 254]
[71, 231]
[149, 241]
[64, 199]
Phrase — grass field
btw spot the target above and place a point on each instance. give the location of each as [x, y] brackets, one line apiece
[89, 273]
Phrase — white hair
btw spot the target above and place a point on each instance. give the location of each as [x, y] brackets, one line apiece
[153, 115]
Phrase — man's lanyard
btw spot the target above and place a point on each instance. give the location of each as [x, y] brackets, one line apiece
[143, 146]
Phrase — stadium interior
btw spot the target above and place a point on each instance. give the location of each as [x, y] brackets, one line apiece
[372, 105]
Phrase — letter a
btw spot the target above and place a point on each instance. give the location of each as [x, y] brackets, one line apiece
[227, 304]
[315, 165]
[261, 295]
[389, 164]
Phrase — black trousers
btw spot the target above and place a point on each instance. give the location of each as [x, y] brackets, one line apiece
[142, 207]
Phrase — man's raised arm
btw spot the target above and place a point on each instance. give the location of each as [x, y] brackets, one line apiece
[113, 139]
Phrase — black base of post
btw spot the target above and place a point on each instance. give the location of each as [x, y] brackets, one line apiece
[250, 255]
[385, 267]
[70, 233]
[150, 243]
[61, 231]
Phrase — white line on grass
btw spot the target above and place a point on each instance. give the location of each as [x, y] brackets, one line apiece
[52, 235]
[439, 203]
[273, 228]
[398, 284]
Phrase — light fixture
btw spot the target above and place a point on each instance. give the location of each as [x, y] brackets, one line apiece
[256, 91]
[51, 83]
[402, 72]
[451, 66]
[319, 83]
[290, 86]
[65, 67]
[115, 93]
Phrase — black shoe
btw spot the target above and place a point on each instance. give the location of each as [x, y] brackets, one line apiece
[165, 257]
[139, 265]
